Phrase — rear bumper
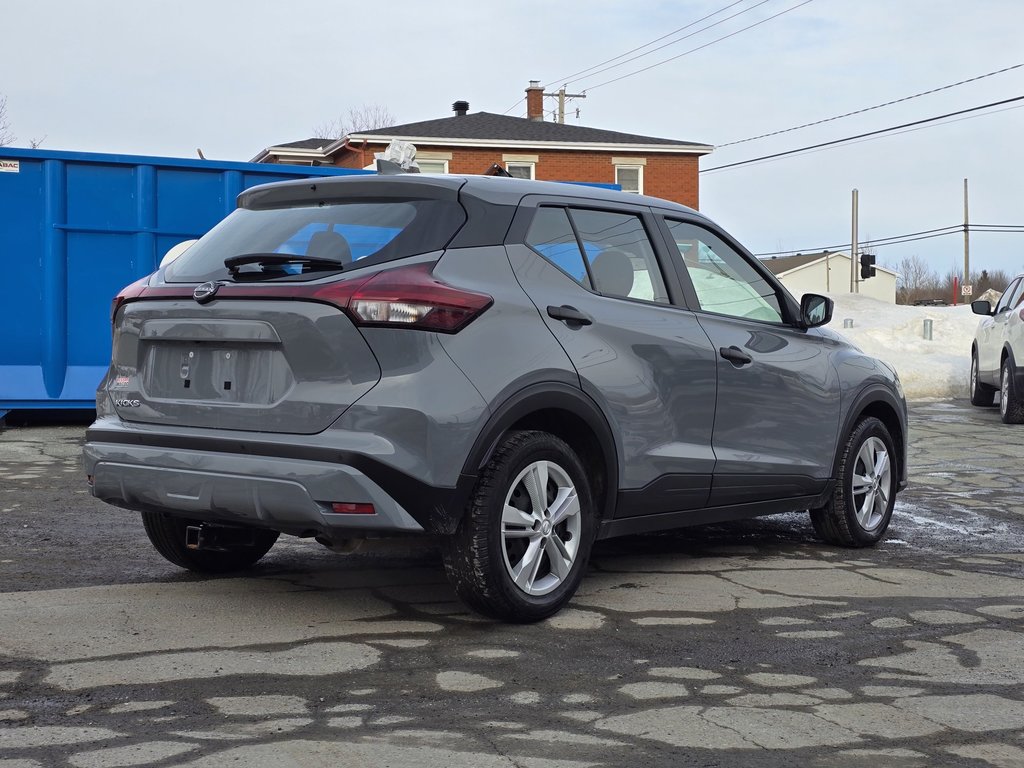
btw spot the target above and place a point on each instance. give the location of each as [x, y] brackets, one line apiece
[269, 485]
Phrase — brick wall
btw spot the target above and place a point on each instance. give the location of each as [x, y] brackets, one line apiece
[672, 177]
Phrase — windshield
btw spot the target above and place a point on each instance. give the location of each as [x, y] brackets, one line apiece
[356, 233]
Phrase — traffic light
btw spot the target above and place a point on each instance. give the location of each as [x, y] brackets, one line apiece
[867, 265]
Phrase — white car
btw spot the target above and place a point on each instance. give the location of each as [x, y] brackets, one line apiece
[998, 343]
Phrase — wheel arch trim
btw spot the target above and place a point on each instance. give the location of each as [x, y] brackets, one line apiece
[875, 394]
[550, 396]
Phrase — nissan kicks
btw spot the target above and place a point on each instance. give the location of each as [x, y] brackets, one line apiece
[519, 368]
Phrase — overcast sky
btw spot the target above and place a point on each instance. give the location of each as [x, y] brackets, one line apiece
[163, 77]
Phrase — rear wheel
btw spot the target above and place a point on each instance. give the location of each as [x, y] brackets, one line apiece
[981, 394]
[1011, 406]
[167, 535]
[858, 513]
[523, 544]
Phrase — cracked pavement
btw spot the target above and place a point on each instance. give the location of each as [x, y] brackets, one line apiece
[734, 645]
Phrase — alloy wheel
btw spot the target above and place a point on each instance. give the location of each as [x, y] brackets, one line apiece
[540, 528]
[1004, 390]
[872, 483]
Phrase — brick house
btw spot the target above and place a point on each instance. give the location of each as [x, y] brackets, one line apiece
[526, 147]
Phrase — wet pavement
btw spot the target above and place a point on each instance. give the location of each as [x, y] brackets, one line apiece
[729, 645]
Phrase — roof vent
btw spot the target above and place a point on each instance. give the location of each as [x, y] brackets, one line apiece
[460, 108]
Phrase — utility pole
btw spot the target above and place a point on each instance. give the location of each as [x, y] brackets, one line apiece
[561, 95]
[967, 241]
[854, 282]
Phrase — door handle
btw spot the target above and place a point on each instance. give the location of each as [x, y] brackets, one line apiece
[735, 355]
[570, 315]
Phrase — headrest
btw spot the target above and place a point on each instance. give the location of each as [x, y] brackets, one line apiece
[613, 271]
[330, 245]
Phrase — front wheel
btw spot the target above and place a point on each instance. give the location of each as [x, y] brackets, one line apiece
[167, 534]
[859, 510]
[523, 544]
[981, 394]
[1011, 406]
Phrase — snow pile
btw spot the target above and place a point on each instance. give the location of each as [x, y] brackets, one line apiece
[936, 369]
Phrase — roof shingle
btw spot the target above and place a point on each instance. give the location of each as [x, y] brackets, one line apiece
[488, 126]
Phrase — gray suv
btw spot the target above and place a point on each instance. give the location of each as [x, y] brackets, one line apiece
[520, 368]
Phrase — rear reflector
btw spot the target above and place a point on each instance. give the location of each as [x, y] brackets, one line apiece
[350, 508]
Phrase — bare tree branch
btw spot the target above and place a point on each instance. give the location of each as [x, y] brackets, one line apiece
[6, 137]
[364, 118]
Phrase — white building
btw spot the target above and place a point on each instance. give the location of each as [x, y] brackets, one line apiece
[829, 273]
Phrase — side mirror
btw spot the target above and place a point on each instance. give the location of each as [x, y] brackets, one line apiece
[815, 310]
[175, 252]
[981, 307]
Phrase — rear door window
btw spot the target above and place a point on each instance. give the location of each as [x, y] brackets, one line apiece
[611, 255]
[620, 255]
[551, 236]
[355, 234]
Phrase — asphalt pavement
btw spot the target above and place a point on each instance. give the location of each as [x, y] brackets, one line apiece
[730, 645]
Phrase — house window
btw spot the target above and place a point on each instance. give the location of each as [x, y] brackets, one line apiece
[630, 178]
[433, 166]
[521, 170]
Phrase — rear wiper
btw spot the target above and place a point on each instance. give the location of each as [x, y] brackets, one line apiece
[310, 263]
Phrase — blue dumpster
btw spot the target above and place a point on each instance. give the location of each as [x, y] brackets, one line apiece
[77, 227]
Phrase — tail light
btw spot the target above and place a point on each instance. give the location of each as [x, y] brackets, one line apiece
[412, 297]
[128, 292]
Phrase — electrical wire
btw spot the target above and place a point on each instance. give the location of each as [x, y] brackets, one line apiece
[908, 130]
[698, 48]
[666, 45]
[869, 109]
[565, 78]
[879, 132]
[895, 240]
[582, 73]
[910, 237]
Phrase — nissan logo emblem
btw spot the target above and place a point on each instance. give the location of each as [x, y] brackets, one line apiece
[205, 292]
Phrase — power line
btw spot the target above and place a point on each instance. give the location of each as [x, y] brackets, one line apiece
[666, 45]
[698, 48]
[565, 79]
[939, 232]
[923, 127]
[869, 109]
[861, 135]
[910, 237]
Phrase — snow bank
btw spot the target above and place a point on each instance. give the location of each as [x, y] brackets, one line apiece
[929, 370]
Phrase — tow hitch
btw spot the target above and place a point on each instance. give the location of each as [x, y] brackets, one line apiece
[218, 538]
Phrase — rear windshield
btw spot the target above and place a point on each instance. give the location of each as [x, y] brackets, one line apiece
[355, 233]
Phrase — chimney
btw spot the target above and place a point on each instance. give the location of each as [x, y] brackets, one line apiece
[460, 108]
[535, 101]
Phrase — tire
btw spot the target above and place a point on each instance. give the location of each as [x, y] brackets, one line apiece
[1011, 406]
[859, 510]
[518, 556]
[167, 534]
[981, 394]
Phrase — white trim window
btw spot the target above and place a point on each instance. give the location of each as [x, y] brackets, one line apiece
[521, 169]
[432, 166]
[630, 178]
